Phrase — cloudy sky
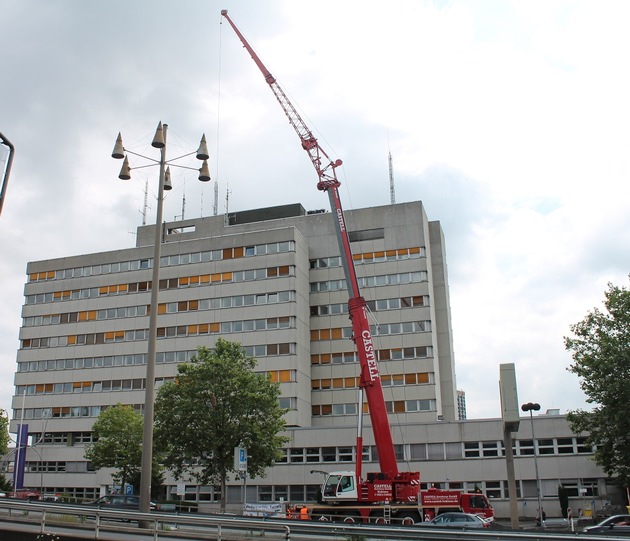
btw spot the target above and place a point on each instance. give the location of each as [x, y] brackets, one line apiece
[508, 119]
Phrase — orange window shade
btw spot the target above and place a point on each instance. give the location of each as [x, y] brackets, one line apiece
[418, 300]
[161, 332]
[315, 411]
[285, 376]
[162, 308]
[383, 355]
[350, 383]
[325, 383]
[357, 257]
[26, 344]
[72, 339]
[66, 294]
[92, 315]
[193, 305]
[368, 256]
[238, 251]
[120, 335]
[33, 277]
[215, 327]
[226, 276]
[103, 290]
[192, 330]
[414, 250]
[410, 379]
[50, 275]
[273, 376]
[314, 385]
[48, 388]
[272, 272]
[386, 379]
[204, 328]
[399, 406]
[83, 316]
[77, 385]
[227, 253]
[324, 334]
[123, 287]
[205, 278]
[423, 377]
[216, 277]
[397, 377]
[379, 254]
[39, 388]
[184, 281]
[337, 383]
[325, 358]
[194, 279]
[57, 295]
[336, 334]
[365, 408]
[326, 409]
[182, 306]
[390, 253]
[283, 271]
[314, 359]
[314, 335]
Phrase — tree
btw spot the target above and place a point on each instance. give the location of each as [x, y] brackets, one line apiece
[217, 403]
[118, 434]
[5, 485]
[600, 349]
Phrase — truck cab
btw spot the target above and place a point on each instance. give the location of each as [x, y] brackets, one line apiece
[340, 486]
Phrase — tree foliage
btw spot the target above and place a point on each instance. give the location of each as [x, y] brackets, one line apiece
[118, 445]
[217, 403]
[600, 349]
[5, 485]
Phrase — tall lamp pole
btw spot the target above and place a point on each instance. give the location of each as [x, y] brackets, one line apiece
[7, 170]
[159, 141]
[531, 407]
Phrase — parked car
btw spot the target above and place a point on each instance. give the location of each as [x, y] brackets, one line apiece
[615, 525]
[458, 520]
[119, 501]
[25, 494]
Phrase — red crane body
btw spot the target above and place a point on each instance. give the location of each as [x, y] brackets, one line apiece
[401, 486]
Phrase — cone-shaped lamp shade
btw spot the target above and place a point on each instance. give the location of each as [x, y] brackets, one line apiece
[119, 151]
[158, 139]
[204, 172]
[202, 153]
[167, 179]
[125, 170]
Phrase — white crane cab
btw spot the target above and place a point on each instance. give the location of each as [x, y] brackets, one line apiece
[340, 486]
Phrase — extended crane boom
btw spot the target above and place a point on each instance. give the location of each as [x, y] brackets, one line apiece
[389, 485]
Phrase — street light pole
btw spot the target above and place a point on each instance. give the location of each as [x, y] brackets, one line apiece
[159, 141]
[531, 407]
[7, 171]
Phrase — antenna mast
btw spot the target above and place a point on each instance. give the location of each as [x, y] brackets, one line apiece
[144, 207]
[215, 205]
[392, 193]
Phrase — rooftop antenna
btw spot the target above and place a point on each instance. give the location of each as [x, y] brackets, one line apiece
[145, 206]
[392, 193]
[215, 205]
[226, 219]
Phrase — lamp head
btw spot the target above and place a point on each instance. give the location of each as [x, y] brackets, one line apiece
[167, 179]
[119, 151]
[204, 172]
[125, 170]
[202, 152]
[158, 138]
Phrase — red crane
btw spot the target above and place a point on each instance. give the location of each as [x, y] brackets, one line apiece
[389, 484]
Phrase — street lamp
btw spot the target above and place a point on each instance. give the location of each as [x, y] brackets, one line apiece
[531, 407]
[119, 153]
[7, 171]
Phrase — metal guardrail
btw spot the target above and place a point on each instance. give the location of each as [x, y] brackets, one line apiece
[85, 522]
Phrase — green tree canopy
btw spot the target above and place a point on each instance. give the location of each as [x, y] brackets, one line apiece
[118, 445]
[600, 349]
[217, 403]
[4, 446]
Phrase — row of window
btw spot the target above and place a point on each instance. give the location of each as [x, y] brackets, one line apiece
[58, 466]
[163, 357]
[390, 380]
[163, 308]
[62, 438]
[339, 333]
[370, 257]
[395, 406]
[135, 384]
[134, 335]
[166, 284]
[394, 354]
[372, 281]
[165, 261]
[374, 306]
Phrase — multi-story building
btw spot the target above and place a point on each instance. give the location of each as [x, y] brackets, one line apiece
[272, 280]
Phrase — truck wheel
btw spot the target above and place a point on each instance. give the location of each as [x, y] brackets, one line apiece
[352, 518]
[409, 518]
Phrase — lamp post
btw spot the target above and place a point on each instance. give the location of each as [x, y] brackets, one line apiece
[119, 152]
[531, 407]
[7, 171]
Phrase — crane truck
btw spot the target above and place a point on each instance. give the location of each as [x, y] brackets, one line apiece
[350, 496]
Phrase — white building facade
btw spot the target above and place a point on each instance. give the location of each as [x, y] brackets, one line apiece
[272, 280]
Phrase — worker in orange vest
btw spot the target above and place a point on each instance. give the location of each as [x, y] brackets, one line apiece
[304, 513]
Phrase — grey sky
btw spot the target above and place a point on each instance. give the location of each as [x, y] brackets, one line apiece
[509, 120]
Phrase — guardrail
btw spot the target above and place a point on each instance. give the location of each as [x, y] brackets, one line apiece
[84, 522]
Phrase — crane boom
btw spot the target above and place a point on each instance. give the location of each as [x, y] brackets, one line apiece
[370, 381]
